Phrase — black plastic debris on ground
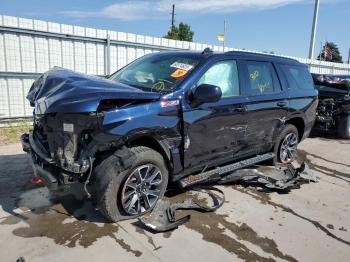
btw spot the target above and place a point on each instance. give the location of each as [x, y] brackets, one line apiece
[163, 216]
[281, 177]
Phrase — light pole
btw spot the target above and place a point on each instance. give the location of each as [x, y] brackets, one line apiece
[314, 27]
[223, 42]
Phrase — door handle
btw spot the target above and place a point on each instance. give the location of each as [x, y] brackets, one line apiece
[282, 103]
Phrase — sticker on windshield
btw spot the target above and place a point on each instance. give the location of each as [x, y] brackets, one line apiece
[182, 66]
[178, 73]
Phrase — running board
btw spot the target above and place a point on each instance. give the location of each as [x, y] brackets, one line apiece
[217, 173]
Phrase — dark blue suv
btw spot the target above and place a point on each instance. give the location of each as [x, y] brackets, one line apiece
[162, 118]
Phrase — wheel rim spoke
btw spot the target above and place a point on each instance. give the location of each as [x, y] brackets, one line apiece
[127, 195]
[138, 206]
[154, 192]
[146, 200]
[138, 175]
[133, 201]
[131, 186]
[152, 177]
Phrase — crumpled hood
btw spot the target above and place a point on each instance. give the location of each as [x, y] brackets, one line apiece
[62, 90]
[333, 81]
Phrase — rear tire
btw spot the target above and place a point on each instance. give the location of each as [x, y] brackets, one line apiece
[285, 148]
[129, 182]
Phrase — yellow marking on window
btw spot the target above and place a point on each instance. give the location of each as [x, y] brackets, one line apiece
[254, 75]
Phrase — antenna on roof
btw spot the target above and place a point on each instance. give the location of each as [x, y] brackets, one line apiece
[207, 51]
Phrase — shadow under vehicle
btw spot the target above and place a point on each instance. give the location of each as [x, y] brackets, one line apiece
[162, 118]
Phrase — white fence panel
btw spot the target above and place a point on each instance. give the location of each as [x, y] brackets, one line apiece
[4, 101]
[29, 47]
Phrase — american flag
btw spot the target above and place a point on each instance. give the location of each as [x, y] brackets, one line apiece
[327, 53]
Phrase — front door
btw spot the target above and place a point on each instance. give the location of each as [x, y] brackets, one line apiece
[215, 131]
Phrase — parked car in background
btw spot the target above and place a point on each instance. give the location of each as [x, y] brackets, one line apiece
[162, 118]
[333, 111]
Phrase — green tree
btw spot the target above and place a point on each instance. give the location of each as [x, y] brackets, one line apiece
[336, 57]
[182, 32]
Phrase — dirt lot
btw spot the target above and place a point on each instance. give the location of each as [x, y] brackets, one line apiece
[308, 224]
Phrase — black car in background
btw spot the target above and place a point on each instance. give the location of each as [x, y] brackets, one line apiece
[162, 118]
[333, 111]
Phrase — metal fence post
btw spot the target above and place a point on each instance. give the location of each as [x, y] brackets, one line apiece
[108, 56]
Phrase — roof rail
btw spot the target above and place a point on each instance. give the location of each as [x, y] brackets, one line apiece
[260, 54]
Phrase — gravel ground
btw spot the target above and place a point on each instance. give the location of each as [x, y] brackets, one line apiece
[311, 223]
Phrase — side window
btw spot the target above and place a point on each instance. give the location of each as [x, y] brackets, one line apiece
[298, 77]
[223, 74]
[262, 78]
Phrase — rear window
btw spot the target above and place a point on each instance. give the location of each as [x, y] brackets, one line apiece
[262, 78]
[298, 77]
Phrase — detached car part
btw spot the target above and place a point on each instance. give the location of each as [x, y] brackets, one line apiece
[280, 177]
[163, 216]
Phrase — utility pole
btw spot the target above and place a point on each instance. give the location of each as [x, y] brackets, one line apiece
[314, 27]
[349, 57]
[173, 17]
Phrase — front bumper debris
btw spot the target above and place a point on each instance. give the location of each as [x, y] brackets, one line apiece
[163, 216]
[48, 178]
[280, 177]
[44, 167]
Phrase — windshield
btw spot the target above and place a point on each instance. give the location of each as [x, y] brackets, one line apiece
[156, 73]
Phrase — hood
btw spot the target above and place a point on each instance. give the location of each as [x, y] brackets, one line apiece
[335, 82]
[62, 90]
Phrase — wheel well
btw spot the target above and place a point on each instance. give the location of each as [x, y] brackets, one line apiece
[299, 124]
[151, 142]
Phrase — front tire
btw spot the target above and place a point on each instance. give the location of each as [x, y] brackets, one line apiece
[129, 182]
[285, 148]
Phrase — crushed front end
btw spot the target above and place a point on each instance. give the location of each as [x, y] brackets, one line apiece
[59, 146]
[67, 122]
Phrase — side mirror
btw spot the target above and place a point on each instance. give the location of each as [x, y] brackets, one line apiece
[205, 93]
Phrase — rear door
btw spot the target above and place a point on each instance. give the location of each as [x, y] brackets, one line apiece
[303, 95]
[267, 106]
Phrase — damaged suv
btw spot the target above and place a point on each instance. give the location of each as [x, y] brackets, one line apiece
[162, 118]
